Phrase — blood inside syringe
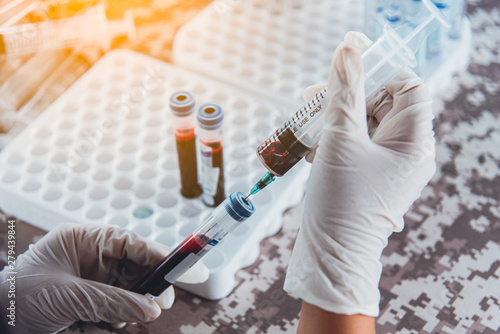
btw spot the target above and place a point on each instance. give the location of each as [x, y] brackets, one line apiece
[282, 152]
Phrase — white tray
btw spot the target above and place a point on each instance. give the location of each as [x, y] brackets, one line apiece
[278, 48]
[106, 147]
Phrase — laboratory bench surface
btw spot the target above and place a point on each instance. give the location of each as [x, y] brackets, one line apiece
[441, 274]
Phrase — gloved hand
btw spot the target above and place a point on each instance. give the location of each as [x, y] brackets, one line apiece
[372, 163]
[66, 277]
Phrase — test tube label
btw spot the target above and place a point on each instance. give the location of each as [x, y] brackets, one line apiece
[209, 174]
[187, 262]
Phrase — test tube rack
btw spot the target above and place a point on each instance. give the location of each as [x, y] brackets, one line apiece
[104, 153]
[275, 48]
[278, 48]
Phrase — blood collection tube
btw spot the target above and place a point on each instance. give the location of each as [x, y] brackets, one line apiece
[182, 105]
[210, 118]
[223, 220]
[435, 42]
[457, 17]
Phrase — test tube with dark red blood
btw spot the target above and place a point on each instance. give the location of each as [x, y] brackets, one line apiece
[182, 105]
[210, 118]
[224, 219]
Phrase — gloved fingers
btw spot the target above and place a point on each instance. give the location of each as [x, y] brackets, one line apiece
[407, 89]
[311, 91]
[96, 245]
[379, 105]
[357, 40]
[166, 299]
[346, 110]
[310, 156]
[198, 273]
[94, 301]
[119, 325]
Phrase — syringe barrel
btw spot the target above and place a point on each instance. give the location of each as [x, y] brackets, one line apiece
[223, 220]
[90, 27]
[298, 136]
[384, 60]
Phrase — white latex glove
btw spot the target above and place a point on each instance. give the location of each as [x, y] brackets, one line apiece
[65, 277]
[372, 163]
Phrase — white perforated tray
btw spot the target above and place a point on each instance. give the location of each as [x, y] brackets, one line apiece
[278, 48]
[273, 47]
[105, 150]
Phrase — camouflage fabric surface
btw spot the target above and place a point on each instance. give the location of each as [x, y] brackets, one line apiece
[441, 274]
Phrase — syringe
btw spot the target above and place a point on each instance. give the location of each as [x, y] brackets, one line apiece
[223, 220]
[382, 62]
[89, 28]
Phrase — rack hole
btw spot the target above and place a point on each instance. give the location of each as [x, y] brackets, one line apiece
[166, 220]
[31, 186]
[142, 230]
[66, 124]
[128, 148]
[166, 200]
[147, 174]
[15, 159]
[126, 165]
[52, 195]
[98, 193]
[42, 133]
[39, 150]
[118, 220]
[104, 157]
[10, 177]
[63, 141]
[143, 212]
[120, 202]
[167, 239]
[149, 156]
[215, 259]
[35, 167]
[151, 138]
[81, 167]
[77, 184]
[96, 212]
[169, 182]
[74, 203]
[144, 191]
[101, 175]
[123, 183]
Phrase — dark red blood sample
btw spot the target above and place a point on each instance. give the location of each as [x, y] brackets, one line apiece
[154, 282]
[277, 158]
[186, 151]
[217, 161]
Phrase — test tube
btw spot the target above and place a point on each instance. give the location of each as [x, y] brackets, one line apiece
[70, 69]
[413, 7]
[89, 28]
[374, 18]
[223, 220]
[393, 14]
[210, 118]
[435, 42]
[182, 105]
[23, 84]
[457, 12]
